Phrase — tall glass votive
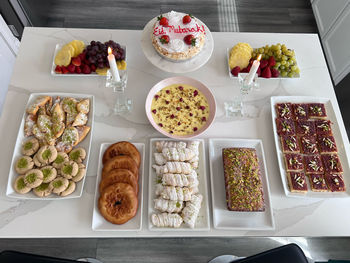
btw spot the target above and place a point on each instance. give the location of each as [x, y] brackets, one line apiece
[122, 104]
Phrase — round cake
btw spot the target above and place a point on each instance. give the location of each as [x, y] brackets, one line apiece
[178, 36]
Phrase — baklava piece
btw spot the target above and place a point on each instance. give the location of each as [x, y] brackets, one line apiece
[284, 110]
[313, 164]
[327, 144]
[290, 144]
[285, 127]
[323, 127]
[297, 182]
[300, 111]
[308, 145]
[335, 182]
[305, 128]
[331, 163]
[318, 183]
[317, 111]
[294, 162]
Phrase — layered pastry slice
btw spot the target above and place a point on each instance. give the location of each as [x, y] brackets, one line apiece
[335, 182]
[290, 144]
[305, 128]
[284, 110]
[285, 127]
[318, 183]
[327, 144]
[300, 111]
[297, 182]
[313, 164]
[317, 111]
[293, 162]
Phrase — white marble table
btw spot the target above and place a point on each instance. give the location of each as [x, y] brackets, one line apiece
[72, 218]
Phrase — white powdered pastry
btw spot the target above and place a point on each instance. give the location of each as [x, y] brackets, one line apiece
[174, 167]
[166, 220]
[169, 206]
[179, 155]
[159, 159]
[189, 180]
[191, 210]
[167, 144]
[174, 193]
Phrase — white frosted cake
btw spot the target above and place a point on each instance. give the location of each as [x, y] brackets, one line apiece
[178, 36]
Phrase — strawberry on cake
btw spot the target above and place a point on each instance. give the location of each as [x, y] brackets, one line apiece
[178, 36]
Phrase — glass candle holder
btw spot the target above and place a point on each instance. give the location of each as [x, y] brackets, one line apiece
[122, 104]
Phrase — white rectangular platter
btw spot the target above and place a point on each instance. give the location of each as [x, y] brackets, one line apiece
[222, 217]
[338, 139]
[86, 144]
[98, 221]
[234, 77]
[203, 221]
[93, 74]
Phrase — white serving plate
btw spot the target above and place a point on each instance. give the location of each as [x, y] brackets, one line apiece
[98, 221]
[168, 65]
[223, 218]
[93, 74]
[233, 77]
[338, 139]
[203, 221]
[86, 144]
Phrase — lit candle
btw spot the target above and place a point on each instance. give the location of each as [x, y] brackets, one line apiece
[249, 78]
[113, 65]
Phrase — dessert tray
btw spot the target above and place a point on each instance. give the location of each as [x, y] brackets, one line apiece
[202, 221]
[338, 139]
[86, 144]
[92, 74]
[169, 65]
[134, 224]
[222, 217]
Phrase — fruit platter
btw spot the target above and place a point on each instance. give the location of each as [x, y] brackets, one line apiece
[77, 58]
[277, 61]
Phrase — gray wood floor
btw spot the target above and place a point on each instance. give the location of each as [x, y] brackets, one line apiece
[219, 15]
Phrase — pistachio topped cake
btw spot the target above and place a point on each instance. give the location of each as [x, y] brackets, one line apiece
[243, 184]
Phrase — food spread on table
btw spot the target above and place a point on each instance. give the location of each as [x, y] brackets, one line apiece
[49, 163]
[309, 147]
[180, 109]
[178, 200]
[277, 60]
[76, 58]
[118, 188]
[178, 36]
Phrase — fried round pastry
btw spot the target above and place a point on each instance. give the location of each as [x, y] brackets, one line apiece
[30, 146]
[33, 178]
[24, 164]
[20, 186]
[81, 173]
[119, 176]
[122, 148]
[121, 162]
[118, 203]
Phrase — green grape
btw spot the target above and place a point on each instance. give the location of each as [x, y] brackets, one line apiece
[282, 67]
[273, 47]
[284, 73]
[278, 57]
[297, 70]
[290, 74]
[267, 47]
[284, 57]
[287, 64]
[293, 68]
[261, 50]
[283, 62]
[278, 64]
[270, 53]
[253, 54]
[279, 52]
[291, 62]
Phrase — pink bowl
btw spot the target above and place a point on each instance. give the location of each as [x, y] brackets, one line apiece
[181, 80]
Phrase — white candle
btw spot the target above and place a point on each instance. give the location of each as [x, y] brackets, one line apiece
[113, 65]
[249, 78]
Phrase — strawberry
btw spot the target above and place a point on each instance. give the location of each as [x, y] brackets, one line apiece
[258, 72]
[86, 69]
[266, 73]
[82, 55]
[76, 61]
[164, 39]
[245, 70]
[275, 73]
[78, 70]
[58, 70]
[187, 19]
[235, 71]
[272, 61]
[163, 21]
[71, 68]
[263, 63]
[64, 70]
[93, 68]
[190, 40]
